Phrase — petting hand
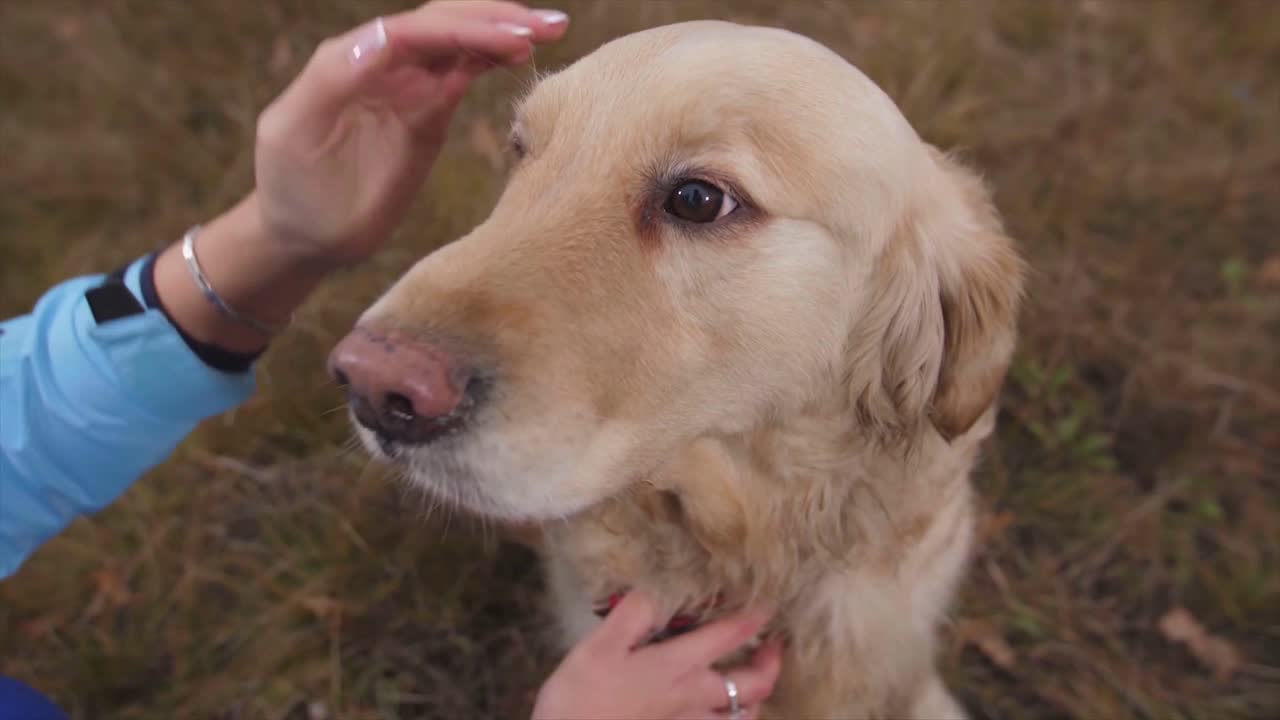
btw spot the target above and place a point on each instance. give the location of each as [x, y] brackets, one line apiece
[340, 156]
[606, 676]
[343, 151]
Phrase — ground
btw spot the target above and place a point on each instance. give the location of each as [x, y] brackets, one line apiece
[1129, 564]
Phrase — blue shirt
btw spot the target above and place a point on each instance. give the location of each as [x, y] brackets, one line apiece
[97, 386]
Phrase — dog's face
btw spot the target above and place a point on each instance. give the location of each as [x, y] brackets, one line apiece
[703, 221]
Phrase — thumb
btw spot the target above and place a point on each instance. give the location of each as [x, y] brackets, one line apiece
[711, 642]
[627, 625]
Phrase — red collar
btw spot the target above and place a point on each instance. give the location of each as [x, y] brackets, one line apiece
[677, 625]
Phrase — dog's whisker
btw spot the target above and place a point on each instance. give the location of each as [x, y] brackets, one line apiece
[333, 410]
[431, 502]
[448, 510]
[350, 446]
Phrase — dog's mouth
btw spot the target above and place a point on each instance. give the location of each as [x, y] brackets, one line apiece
[396, 451]
[386, 445]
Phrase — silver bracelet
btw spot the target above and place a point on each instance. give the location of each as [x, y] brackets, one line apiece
[202, 282]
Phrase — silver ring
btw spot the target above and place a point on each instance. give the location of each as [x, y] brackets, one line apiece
[731, 689]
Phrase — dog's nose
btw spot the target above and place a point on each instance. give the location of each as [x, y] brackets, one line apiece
[405, 390]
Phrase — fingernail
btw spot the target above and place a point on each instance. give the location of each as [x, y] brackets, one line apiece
[551, 17]
[369, 40]
[519, 30]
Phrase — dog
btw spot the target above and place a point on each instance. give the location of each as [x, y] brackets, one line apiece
[733, 333]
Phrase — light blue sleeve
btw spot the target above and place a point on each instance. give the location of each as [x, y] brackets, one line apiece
[87, 408]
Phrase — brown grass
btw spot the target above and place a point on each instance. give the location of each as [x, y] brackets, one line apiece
[263, 573]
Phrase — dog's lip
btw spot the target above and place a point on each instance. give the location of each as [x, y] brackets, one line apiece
[386, 445]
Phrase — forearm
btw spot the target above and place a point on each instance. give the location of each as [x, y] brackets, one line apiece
[96, 387]
[95, 391]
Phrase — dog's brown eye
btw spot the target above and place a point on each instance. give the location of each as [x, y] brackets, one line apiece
[699, 202]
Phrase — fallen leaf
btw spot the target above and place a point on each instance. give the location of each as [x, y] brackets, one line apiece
[111, 586]
[1096, 8]
[868, 27]
[41, 626]
[988, 641]
[994, 525]
[281, 55]
[487, 143]
[1215, 652]
[1269, 273]
[68, 28]
[322, 607]
[1242, 464]
[111, 591]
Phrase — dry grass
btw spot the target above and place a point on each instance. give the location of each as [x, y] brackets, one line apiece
[1134, 152]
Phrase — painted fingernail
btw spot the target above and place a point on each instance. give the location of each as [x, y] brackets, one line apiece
[519, 30]
[368, 41]
[551, 17]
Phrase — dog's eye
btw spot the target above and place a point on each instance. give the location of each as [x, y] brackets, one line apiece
[700, 202]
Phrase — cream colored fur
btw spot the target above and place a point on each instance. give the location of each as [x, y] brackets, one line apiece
[783, 407]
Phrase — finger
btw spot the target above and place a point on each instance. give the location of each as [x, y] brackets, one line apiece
[627, 625]
[546, 24]
[501, 30]
[710, 642]
[337, 70]
[470, 45]
[754, 682]
[746, 713]
[418, 39]
[341, 65]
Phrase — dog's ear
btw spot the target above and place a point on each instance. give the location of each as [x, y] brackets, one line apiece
[979, 315]
[945, 310]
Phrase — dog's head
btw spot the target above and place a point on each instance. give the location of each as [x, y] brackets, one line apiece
[709, 227]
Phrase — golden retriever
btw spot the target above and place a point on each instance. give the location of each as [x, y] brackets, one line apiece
[732, 331]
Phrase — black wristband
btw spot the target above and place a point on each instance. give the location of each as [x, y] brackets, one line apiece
[218, 358]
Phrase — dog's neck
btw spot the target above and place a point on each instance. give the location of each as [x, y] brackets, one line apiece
[799, 497]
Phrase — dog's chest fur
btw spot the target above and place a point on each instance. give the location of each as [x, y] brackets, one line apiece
[859, 550]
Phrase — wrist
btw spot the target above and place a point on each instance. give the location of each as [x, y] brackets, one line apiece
[250, 270]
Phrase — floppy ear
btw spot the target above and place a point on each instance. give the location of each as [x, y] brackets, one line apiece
[979, 300]
[950, 283]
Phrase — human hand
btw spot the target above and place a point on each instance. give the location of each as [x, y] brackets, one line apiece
[345, 148]
[339, 157]
[607, 676]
